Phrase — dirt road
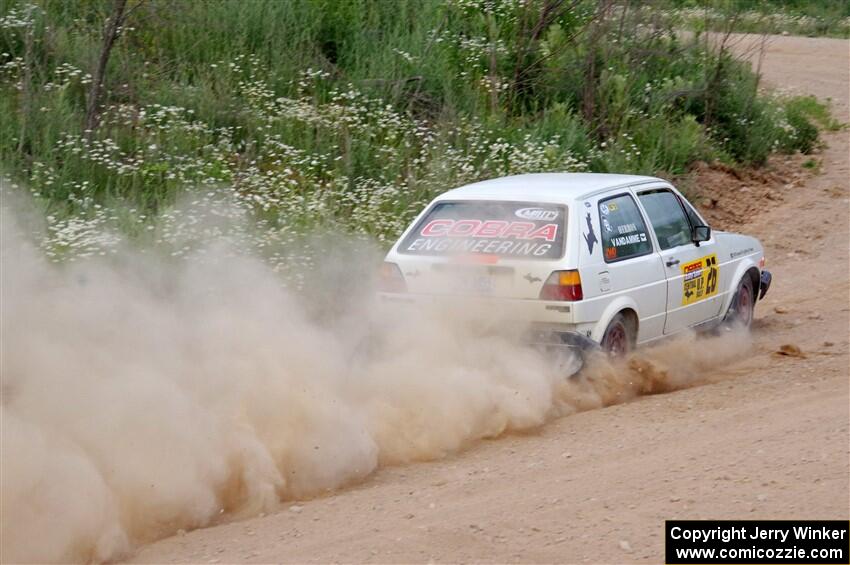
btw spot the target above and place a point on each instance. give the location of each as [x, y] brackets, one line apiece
[767, 438]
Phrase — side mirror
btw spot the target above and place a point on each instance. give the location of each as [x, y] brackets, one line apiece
[700, 233]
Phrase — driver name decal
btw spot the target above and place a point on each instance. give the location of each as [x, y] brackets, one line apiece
[699, 279]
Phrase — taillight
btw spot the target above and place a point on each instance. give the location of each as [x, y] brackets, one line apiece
[562, 285]
[391, 279]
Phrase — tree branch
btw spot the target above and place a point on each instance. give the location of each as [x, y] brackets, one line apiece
[110, 34]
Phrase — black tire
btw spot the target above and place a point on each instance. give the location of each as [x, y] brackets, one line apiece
[740, 312]
[618, 339]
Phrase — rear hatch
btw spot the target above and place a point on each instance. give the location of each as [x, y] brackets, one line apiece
[483, 247]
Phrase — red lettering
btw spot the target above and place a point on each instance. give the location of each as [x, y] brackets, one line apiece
[518, 230]
[436, 228]
[491, 228]
[547, 232]
[464, 227]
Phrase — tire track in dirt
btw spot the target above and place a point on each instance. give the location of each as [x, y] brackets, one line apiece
[768, 438]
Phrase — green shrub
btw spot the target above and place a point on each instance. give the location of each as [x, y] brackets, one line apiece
[353, 113]
[802, 135]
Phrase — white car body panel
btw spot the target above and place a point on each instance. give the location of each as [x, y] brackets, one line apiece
[680, 316]
[655, 292]
[740, 253]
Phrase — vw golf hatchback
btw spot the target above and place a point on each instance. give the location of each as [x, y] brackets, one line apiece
[618, 260]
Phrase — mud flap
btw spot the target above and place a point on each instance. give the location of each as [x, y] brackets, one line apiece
[764, 283]
[567, 349]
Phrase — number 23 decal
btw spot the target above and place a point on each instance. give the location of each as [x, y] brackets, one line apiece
[700, 279]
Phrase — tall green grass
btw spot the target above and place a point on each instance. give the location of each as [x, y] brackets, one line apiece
[354, 113]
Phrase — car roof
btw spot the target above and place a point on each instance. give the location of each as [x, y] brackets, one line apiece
[546, 186]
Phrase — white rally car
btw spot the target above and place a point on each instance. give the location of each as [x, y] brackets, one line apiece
[618, 260]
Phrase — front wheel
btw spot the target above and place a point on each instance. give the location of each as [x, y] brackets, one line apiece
[618, 339]
[741, 310]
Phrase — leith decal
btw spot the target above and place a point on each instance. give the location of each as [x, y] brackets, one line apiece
[537, 214]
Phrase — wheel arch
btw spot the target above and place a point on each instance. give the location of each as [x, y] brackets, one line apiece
[745, 268]
[622, 305]
[632, 318]
[755, 277]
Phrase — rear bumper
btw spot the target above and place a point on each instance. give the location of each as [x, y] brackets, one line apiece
[764, 284]
[560, 315]
[567, 348]
[546, 322]
[565, 338]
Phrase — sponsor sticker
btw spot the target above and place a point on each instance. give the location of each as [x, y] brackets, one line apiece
[495, 229]
[590, 236]
[499, 237]
[699, 279]
[536, 214]
[445, 245]
[498, 229]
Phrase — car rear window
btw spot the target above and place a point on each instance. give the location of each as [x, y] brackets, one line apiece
[525, 230]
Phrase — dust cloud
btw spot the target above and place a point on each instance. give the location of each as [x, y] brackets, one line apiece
[142, 395]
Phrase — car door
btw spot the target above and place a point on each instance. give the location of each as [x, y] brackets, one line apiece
[631, 267]
[692, 270]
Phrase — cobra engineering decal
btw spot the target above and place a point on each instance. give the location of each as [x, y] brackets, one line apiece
[700, 279]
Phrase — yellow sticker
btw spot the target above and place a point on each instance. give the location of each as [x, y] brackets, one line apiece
[699, 279]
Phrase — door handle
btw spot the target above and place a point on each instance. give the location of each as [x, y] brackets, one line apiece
[672, 262]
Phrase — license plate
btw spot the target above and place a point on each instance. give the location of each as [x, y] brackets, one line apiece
[476, 280]
[475, 283]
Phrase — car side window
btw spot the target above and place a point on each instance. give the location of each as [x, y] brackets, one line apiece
[624, 232]
[692, 214]
[667, 218]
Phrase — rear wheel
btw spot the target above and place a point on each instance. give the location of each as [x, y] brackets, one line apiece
[618, 339]
[741, 310]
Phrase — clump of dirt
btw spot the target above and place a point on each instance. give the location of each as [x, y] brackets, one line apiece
[675, 364]
[790, 350]
[728, 196]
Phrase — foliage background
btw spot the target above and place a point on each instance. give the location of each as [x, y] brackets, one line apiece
[350, 115]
